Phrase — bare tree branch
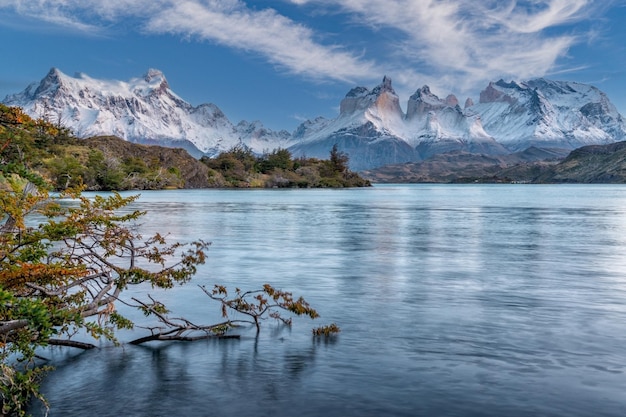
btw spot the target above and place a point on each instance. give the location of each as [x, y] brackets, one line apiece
[71, 343]
[11, 325]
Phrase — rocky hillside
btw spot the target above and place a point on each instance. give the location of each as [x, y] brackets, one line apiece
[462, 166]
[183, 170]
[588, 164]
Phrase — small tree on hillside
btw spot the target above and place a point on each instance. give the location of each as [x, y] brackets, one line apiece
[278, 158]
[338, 160]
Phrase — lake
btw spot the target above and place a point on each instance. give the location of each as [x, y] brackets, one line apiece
[453, 300]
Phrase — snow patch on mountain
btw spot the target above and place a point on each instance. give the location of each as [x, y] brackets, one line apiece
[143, 110]
[370, 118]
[547, 113]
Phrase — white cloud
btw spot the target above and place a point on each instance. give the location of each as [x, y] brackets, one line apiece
[543, 15]
[280, 40]
[276, 37]
[453, 44]
[468, 42]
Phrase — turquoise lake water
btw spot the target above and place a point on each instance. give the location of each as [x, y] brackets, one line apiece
[468, 300]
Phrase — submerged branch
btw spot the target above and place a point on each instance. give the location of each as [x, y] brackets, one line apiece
[180, 328]
[71, 343]
[163, 337]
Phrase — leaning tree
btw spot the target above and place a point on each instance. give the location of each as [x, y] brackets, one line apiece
[65, 263]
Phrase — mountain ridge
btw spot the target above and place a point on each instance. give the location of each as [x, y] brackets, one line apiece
[591, 164]
[370, 127]
[142, 110]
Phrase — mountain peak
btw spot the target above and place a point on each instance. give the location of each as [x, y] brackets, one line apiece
[53, 77]
[371, 124]
[424, 91]
[504, 84]
[141, 110]
[381, 99]
[424, 101]
[452, 101]
[385, 110]
[385, 86]
[492, 94]
[152, 74]
[358, 92]
[156, 78]
[50, 83]
[547, 113]
[424, 94]
[54, 73]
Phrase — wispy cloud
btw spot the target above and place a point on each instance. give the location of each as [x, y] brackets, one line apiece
[468, 42]
[53, 12]
[448, 43]
[280, 40]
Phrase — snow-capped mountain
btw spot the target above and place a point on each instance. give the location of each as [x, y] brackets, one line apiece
[374, 131]
[142, 110]
[261, 139]
[369, 129]
[371, 126]
[440, 125]
[509, 117]
[546, 114]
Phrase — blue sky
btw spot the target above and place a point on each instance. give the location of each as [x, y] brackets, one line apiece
[285, 61]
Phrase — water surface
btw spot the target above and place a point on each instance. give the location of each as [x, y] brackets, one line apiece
[470, 300]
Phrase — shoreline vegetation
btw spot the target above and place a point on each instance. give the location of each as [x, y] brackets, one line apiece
[107, 163]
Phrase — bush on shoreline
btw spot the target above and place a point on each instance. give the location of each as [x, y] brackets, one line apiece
[240, 168]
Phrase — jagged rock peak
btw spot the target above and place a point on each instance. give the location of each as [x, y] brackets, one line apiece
[152, 74]
[452, 101]
[156, 77]
[504, 84]
[424, 94]
[492, 94]
[358, 92]
[54, 73]
[422, 102]
[385, 86]
[381, 98]
[421, 92]
[469, 102]
[50, 83]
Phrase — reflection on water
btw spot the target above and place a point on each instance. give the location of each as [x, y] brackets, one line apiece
[453, 301]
